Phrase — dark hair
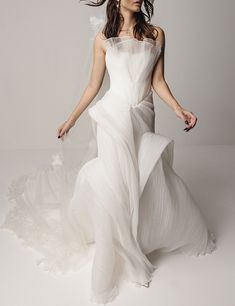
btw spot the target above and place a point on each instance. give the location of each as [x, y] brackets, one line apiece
[142, 28]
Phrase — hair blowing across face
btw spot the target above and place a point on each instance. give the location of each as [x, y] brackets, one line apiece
[115, 19]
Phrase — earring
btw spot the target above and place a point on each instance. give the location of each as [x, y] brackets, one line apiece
[117, 3]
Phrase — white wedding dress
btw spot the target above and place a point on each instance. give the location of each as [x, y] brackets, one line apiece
[127, 199]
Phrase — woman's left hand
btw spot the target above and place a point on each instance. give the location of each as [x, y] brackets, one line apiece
[189, 118]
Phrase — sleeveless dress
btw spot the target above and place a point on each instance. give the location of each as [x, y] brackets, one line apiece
[128, 199]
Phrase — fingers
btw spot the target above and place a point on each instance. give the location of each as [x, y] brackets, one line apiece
[62, 130]
[62, 134]
[190, 121]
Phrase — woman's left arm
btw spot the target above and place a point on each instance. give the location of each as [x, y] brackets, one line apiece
[162, 89]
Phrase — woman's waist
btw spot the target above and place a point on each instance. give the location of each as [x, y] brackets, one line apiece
[128, 97]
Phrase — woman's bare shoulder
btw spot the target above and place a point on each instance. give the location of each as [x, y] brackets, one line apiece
[159, 33]
[99, 40]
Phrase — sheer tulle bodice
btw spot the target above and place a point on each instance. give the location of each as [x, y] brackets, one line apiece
[127, 199]
[130, 76]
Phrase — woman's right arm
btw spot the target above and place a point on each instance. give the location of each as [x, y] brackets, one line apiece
[93, 86]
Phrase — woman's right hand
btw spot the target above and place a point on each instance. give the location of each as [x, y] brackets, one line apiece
[64, 128]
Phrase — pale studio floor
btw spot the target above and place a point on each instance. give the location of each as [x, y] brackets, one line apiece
[180, 280]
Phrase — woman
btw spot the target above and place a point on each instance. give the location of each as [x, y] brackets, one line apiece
[128, 198]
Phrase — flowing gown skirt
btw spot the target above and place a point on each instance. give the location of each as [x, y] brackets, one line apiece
[136, 201]
[128, 200]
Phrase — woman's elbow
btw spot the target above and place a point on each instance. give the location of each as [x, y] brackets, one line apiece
[93, 88]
